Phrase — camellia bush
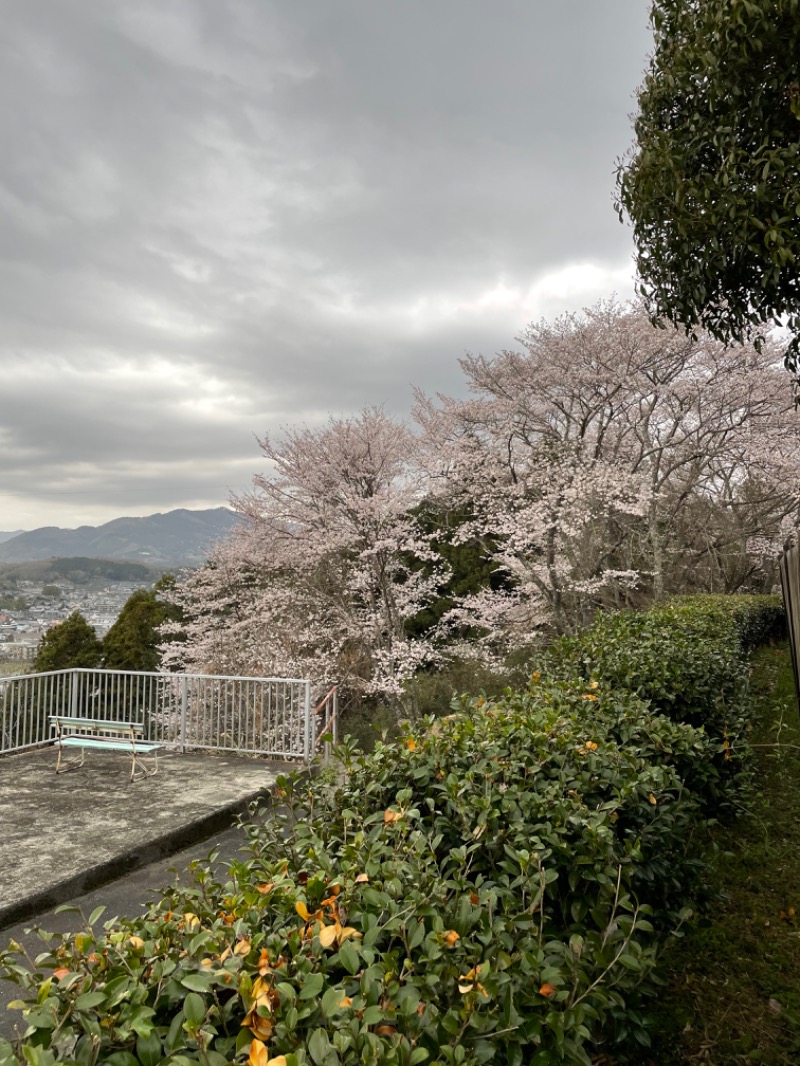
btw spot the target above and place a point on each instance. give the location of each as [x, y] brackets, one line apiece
[494, 887]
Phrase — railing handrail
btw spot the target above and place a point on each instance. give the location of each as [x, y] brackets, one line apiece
[325, 699]
[331, 722]
[154, 673]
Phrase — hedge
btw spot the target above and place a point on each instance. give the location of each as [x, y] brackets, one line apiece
[493, 887]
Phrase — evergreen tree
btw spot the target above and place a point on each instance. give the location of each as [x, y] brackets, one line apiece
[133, 642]
[711, 187]
[71, 643]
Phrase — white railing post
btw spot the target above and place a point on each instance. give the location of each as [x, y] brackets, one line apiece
[307, 742]
[73, 694]
[184, 705]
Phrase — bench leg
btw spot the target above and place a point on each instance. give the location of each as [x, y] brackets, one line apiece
[143, 771]
[73, 764]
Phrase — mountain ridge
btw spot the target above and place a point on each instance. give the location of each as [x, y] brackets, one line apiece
[175, 538]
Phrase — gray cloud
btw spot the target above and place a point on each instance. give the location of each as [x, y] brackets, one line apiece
[221, 216]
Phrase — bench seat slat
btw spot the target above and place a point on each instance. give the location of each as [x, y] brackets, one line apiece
[110, 744]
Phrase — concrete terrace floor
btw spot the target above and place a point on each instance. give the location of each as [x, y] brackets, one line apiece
[64, 834]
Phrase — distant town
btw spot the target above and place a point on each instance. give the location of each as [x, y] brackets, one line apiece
[33, 607]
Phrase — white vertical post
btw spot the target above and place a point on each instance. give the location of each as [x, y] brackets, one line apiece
[184, 702]
[307, 744]
[73, 694]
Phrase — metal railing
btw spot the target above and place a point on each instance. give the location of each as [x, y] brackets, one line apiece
[265, 716]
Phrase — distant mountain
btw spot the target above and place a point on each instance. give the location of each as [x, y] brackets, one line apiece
[177, 538]
[7, 536]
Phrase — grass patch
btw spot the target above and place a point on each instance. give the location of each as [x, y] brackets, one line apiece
[733, 991]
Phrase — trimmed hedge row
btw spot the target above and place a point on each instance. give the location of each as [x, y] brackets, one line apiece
[494, 887]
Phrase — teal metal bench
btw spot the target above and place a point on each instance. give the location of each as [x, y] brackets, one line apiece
[103, 735]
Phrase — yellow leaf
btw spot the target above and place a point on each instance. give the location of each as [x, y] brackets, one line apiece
[547, 990]
[389, 817]
[327, 936]
[242, 947]
[263, 889]
[135, 942]
[362, 879]
[258, 1026]
[590, 744]
[588, 696]
[302, 910]
[206, 963]
[279, 1060]
[385, 1030]
[262, 990]
[411, 744]
[345, 1001]
[258, 1054]
[651, 799]
[451, 937]
[469, 982]
[62, 971]
[348, 932]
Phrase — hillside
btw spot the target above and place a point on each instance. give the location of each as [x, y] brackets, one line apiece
[77, 571]
[176, 538]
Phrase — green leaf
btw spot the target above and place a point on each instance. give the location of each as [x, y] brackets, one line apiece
[312, 986]
[194, 1008]
[96, 914]
[348, 956]
[89, 999]
[372, 1015]
[149, 1050]
[198, 982]
[318, 1046]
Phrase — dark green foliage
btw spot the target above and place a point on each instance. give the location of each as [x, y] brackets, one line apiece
[470, 567]
[71, 643]
[10, 602]
[132, 643]
[712, 187]
[687, 658]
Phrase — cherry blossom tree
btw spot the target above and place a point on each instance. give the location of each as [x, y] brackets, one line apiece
[581, 457]
[322, 577]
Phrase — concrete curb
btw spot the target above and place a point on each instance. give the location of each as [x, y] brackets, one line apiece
[150, 851]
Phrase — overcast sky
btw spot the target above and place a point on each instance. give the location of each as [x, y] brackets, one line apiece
[218, 217]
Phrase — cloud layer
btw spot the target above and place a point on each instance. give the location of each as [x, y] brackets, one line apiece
[218, 217]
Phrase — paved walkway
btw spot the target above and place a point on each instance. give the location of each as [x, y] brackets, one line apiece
[63, 834]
